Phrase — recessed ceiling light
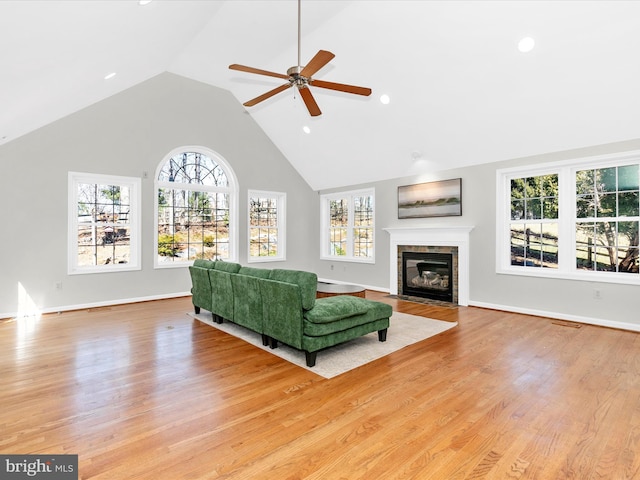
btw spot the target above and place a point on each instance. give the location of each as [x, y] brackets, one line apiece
[306, 129]
[526, 44]
[111, 75]
[144, 2]
[384, 99]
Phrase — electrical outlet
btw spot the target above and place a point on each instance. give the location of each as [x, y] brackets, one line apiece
[597, 294]
[58, 285]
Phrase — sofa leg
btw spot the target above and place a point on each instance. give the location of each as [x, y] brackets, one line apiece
[311, 358]
[265, 340]
[273, 343]
[197, 309]
[382, 335]
[217, 319]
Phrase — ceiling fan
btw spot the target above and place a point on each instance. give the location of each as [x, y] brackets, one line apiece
[300, 77]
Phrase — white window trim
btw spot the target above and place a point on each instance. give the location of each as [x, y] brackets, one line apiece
[324, 226]
[281, 201]
[566, 171]
[134, 185]
[232, 190]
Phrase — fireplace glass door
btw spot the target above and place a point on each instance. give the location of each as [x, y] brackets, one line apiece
[427, 275]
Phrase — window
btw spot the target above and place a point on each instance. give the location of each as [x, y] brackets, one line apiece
[534, 221]
[104, 223]
[195, 204]
[267, 233]
[607, 211]
[348, 226]
[577, 219]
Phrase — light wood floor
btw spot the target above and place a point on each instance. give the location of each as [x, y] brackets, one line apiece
[143, 391]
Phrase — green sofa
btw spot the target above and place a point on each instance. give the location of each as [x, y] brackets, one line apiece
[281, 305]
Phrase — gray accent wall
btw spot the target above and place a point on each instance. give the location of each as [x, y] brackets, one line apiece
[128, 134]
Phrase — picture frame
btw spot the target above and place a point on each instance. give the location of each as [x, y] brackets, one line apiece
[442, 198]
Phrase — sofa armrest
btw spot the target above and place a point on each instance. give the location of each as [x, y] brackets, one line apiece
[282, 303]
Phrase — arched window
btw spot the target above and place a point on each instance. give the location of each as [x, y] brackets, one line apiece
[196, 205]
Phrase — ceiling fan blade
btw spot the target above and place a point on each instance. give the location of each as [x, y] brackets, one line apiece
[342, 87]
[243, 68]
[316, 63]
[269, 94]
[309, 101]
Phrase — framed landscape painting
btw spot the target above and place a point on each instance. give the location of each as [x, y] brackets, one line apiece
[432, 199]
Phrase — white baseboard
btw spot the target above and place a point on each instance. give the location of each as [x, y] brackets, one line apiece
[559, 316]
[107, 303]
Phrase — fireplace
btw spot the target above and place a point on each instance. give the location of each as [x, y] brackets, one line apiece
[451, 240]
[428, 275]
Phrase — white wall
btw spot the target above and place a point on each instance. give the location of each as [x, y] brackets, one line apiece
[565, 299]
[128, 134]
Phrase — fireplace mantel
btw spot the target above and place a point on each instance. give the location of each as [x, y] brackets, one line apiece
[445, 235]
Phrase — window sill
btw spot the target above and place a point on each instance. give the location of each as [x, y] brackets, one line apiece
[600, 277]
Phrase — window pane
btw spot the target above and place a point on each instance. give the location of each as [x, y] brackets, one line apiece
[339, 213]
[517, 243]
[534, 197]
[549, 245]
[533, 187]
[517, 188]
[585, 233]
[605, 259]
[585, 206]
[338, 241]
[628, 260]
[193, 168]
[550, 207]
[628, 178]
[585, 182]
[363, 211]
[607, 205]
[628, 205]
[534, 245]
[192, 224]
[628, 233]
[606, 179]
[534, 208]
[517, 209]
[103, 231]
[363, 239]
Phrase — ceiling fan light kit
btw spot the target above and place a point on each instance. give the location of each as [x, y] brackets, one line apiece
[300, 77]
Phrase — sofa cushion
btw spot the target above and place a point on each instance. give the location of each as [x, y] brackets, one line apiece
[202, 263]
[255, 272]
[307, 281]
[376, 311]
[228, 267]
[330, 309]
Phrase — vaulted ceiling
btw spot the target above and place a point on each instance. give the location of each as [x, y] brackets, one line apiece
[460, 91]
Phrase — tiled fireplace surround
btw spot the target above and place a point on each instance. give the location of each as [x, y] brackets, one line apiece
[438, 239]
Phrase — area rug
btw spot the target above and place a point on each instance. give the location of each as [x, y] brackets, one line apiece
[404, 330]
